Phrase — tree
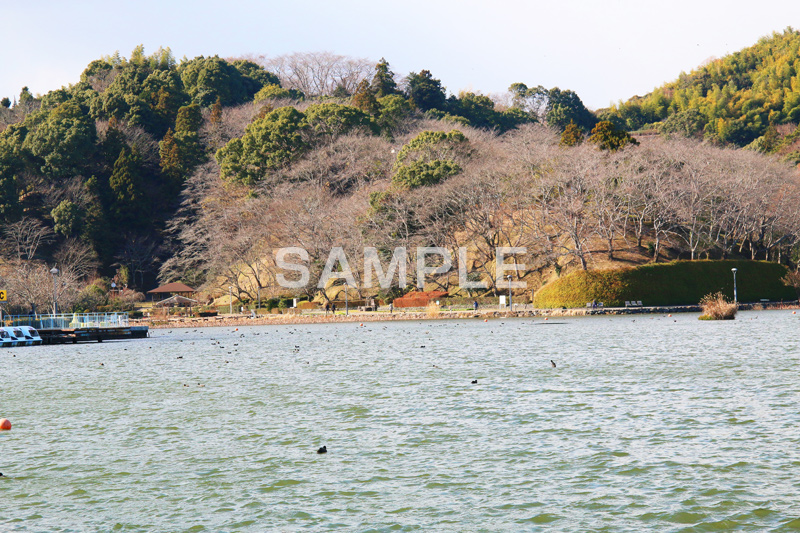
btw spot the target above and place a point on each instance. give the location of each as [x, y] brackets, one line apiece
[429, 158]
[331, 120]
[128, 189]
[572, 135]
[564, 107]
[383, 83]
[216, 112]
[189, 118]
[67, 218]
[607, 137]
[22, 239]
[256, 73]
[688, 123]
[276, 92]
[393, 110]
[318, 73]
[563, 197]
[425, 92]
[269, 143]
[63, 141]
[364, 99]
[207, 79]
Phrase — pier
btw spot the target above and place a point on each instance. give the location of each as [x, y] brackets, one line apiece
[80, 327]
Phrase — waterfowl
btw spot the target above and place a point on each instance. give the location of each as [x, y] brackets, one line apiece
[324, 449]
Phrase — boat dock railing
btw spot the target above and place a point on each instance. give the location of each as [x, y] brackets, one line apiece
[70, 321]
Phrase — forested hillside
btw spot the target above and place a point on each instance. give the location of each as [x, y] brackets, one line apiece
[150, 170]
[750, 97]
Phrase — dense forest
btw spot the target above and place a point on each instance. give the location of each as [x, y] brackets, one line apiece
[748, 98]
[152, 170]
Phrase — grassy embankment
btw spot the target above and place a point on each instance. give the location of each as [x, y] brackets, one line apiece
[674, 283]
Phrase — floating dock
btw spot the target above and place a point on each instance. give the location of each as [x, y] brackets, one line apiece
[80, 327]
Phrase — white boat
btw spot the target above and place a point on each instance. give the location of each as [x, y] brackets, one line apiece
[31, 335]
[15, 337]
[6, 340]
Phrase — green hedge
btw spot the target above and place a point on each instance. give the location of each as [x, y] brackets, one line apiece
[674, 283]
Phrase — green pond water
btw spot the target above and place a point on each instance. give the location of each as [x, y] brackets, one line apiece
[647, 423]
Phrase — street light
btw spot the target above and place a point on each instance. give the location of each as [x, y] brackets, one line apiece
[230, 298]
[735, 300]
[346, 301]
[54, 272]
[510, 305]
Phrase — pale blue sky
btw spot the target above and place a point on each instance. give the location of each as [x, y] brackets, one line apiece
[604, 50]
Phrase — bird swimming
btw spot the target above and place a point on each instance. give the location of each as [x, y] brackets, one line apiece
[324, 449]
[474, 381]
[553, 363]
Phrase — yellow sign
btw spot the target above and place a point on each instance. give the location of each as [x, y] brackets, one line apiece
[2, 296]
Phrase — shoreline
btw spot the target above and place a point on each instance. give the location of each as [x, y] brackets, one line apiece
[383, 316]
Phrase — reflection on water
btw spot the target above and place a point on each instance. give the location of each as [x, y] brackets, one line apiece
[648, 422]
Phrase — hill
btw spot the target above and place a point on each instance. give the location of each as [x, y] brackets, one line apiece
[750, 95]
[208, 170]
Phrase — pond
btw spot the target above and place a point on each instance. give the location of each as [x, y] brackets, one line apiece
[646, 422]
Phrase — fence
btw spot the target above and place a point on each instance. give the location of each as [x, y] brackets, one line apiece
[69, 321]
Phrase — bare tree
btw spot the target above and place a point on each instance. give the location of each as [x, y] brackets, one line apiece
[318, 73]
[24, 238]
[563, 197]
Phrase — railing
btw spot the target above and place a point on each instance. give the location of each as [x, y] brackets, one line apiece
[69, 321]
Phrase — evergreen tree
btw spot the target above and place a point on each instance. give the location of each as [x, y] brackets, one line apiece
[128, 190]
[364, 99]
[572, 135]
[425, 91]
[383, 83]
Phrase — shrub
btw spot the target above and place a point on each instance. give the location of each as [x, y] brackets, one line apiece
[674, 283]
[717, 307]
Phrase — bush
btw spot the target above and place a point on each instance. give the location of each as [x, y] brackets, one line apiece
[717, 307]
[674, 283]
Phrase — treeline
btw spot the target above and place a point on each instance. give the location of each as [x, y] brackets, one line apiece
[465, 187]
[102, 162]
[750, 97]
[197, 170]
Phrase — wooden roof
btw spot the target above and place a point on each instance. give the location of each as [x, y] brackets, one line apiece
[172, 287]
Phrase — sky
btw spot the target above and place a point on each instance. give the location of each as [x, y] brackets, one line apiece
[604, 50]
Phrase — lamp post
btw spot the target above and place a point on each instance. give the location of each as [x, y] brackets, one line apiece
[510, 305]
[346, 301]
[230, 298]
[735, 299]
[54, 272]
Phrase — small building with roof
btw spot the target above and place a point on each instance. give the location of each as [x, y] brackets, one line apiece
[171, 289]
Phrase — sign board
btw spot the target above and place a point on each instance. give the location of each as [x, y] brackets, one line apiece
[502, 300]
[2, 296]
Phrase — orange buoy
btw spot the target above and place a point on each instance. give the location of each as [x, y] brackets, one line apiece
[794, 312]
[361, 324]
[669, 316]
[5, 423]
[546, 318]
[486, 320]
